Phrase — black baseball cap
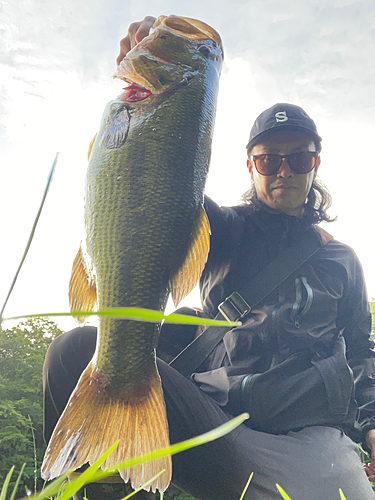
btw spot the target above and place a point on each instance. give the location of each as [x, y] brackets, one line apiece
[282, 116]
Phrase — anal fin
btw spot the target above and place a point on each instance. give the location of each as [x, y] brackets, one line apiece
[183, 282]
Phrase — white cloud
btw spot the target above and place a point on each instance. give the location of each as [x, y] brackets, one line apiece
[56, 61]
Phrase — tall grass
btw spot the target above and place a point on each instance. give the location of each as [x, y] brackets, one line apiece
[64, 487]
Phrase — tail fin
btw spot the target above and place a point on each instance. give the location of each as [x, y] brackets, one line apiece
[92, 422]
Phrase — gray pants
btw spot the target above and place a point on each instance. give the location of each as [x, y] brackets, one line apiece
[311, 464]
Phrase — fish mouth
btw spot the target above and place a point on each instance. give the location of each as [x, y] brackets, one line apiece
[134, 93]
[127, 73]
[189, 28]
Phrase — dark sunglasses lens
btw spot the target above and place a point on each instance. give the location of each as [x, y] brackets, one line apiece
[267, 164]
[302, 163]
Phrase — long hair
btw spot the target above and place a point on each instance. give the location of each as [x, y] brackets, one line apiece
[318, 202]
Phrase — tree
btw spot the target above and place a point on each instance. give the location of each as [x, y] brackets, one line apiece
[22, 352]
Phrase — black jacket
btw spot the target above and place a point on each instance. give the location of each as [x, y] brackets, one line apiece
[307, 330]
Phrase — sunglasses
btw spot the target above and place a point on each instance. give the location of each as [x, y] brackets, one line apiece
[300, 163]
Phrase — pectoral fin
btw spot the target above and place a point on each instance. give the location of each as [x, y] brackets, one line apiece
[117, 129]
[183, 282]
[82, 287]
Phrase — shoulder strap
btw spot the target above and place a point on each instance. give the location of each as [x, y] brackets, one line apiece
[239, 304]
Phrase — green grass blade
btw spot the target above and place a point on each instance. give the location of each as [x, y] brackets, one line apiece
[30, 237]
[247, 485]
[4, 489]
[52, 489]
[135, 314]
[177, 448]
[282, 493]
[86, 476]
[91, 476]
[17, 483]
[69, 489]
[34, 447]
[146, 484]
[342, 496]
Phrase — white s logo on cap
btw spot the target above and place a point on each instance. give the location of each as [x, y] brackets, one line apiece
[281, 116]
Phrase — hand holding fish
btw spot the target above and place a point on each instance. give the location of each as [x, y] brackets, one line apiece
[136, 32]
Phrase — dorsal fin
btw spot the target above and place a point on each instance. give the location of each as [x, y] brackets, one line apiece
[91, 146]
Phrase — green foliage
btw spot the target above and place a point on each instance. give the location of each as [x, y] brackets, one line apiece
[372, 307]
[64, 488]
[22, 352]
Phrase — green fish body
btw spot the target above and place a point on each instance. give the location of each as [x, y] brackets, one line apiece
[147, 235]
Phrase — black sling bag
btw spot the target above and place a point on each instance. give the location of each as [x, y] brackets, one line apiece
[239, 304]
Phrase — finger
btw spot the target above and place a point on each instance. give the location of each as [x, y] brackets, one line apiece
[124, 49]
[136, 32]
[144, 28]
[128, 42]
[370, 471]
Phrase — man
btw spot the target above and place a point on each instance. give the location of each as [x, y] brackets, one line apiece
[291, 362]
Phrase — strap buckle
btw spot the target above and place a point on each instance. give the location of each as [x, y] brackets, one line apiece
[234, 307]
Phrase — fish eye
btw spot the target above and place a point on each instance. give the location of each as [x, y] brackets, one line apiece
[205, 51]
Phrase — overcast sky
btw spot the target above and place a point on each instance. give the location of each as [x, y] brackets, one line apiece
[56, 62]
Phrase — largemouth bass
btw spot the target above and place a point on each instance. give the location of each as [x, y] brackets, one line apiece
[147, 235]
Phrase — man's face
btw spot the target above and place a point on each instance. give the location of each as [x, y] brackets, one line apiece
[285, 191]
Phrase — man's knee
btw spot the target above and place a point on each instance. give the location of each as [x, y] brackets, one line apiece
[71, 351]
[66, 358]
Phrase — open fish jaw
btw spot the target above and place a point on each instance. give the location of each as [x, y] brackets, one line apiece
[185, 31]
